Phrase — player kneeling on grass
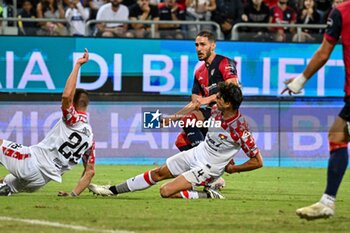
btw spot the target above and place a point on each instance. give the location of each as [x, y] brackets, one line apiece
[207, 161]
[67, 142]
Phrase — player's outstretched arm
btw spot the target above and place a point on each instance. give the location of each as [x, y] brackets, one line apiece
[296, 84]
[212, 98]
[85, 180]
[69, 89]
[190, 107]
[252, 164]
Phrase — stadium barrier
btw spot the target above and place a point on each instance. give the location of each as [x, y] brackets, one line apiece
[12, 30]
[235, 34]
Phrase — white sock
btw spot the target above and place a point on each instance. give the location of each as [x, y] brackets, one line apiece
[327, 200]
[189, 194]
[140, 182]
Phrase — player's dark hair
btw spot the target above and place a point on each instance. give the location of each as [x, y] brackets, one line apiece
[81, 98]
[207, 34]
[231, 93]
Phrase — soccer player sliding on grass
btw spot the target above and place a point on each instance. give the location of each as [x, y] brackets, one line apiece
[338, 26]
[69, 141]
[204, 163]
[215, 68]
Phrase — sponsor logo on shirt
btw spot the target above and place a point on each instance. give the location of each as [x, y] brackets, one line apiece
[222, 136]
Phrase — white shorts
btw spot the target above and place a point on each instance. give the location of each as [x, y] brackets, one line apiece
[185, 163]
[25, 174]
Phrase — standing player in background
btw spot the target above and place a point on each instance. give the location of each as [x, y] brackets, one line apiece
[207, 161]
[64, 145]
[216, 68]
[338, 26]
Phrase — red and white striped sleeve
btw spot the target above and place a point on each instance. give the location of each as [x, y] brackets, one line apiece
[89, 155]
[70, 116]
[243, 135]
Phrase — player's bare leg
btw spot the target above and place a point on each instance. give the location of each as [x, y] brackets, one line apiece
[338, 142]
[182, 188]
[4, 188]
[140, 182]
[173, 188]
[1, 178]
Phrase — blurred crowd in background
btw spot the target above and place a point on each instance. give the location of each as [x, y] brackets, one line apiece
[75, 14]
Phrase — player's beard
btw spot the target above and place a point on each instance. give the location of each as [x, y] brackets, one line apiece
[207, 55]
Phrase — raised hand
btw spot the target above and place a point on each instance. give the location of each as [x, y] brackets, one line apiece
[84, 58]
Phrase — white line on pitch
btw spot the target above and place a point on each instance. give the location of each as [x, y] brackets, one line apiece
[61, 225]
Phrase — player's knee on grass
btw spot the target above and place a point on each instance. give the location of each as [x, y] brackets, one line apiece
[165, 191]
[22, 185]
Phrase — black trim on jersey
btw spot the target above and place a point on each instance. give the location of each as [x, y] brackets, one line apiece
[213, 68]
[196, 88]
[233, 64]
[334, 24]
[214, 75]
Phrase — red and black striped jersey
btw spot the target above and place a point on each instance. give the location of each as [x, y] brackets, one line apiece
[208, 75]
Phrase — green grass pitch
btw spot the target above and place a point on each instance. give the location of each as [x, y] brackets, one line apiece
[259, 201]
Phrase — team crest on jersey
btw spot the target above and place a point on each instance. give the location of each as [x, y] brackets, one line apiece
[222, 136]
[246, 134]
[329, 22]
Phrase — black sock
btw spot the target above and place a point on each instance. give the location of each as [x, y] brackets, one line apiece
[113, 189]
[337, 165]
[120, 188]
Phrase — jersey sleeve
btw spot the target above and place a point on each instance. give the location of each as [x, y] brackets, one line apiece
[89, 155]
[334, 26]
[228, 69]
[243, 135]
[248, 144]
[70, 116]
[196, 88]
